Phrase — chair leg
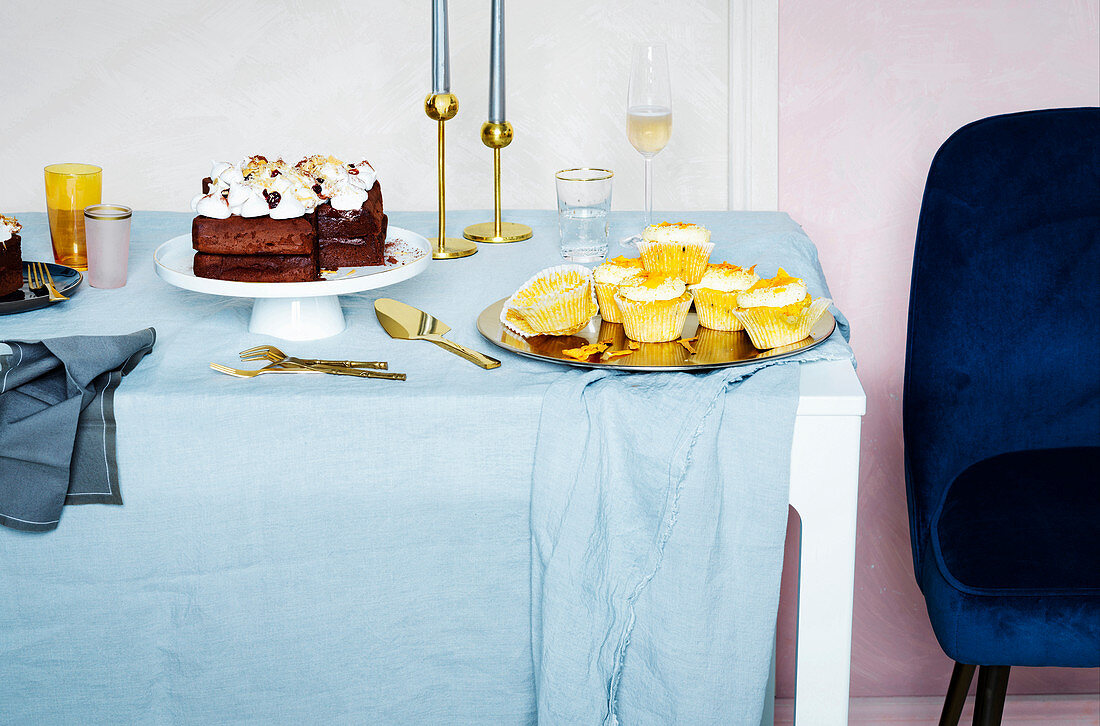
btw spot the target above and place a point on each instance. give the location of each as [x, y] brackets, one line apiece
[961, 676]
[990, 701]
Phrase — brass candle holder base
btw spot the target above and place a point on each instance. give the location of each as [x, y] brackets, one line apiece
[441, 107]
[488, 232]
[452, 248]
[496, 136]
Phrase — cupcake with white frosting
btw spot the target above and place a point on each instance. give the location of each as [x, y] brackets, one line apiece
[608, 278]
[778, 311]
[653, 307]
[716, 294]
[676, 249]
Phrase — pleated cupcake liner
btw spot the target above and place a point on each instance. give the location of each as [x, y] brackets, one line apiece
[556, 301]
[605, 297]
[715, 309]
[771, 327]
[685, 260]
[654, 321]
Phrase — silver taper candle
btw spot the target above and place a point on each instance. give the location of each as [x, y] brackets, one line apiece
[441, 56]
[496, 65]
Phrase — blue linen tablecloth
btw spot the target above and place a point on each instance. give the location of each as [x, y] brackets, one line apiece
[304, 547]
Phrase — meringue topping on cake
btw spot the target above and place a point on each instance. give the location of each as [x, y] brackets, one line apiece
[258, 187]
[8, 227]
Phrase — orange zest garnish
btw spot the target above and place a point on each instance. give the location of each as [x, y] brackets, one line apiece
[687, 343]
[586, 351]
[781, 278]
[615, 354]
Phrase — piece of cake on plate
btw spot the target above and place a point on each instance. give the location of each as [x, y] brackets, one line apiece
[269, 221]
[11, 260]
[255, 223]
[351, 226]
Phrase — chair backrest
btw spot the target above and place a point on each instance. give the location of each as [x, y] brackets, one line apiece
[1003, 346]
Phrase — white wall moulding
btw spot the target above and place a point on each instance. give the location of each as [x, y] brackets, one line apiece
[754, 105]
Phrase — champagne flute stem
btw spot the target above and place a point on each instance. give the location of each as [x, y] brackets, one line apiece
[648, 189]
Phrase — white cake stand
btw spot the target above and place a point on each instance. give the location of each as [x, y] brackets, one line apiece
[298, 310]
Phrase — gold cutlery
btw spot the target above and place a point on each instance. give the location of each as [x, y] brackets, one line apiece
[405, 322]
[271, 353]
[38, 276]
[297, 368]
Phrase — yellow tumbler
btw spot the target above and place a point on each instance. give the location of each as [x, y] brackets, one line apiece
[69, 189]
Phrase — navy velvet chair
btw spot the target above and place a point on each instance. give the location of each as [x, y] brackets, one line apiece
[1002, 399]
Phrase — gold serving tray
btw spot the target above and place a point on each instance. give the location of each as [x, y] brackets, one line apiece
[713, 348]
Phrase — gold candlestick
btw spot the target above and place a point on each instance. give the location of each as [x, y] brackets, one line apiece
[440, 107]
[496, 136]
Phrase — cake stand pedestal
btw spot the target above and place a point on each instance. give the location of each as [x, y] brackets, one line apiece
[298, 310]
[297, 318]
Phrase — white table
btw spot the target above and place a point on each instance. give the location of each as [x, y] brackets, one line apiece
[824, 488]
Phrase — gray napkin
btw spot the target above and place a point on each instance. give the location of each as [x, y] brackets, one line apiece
[57, 424]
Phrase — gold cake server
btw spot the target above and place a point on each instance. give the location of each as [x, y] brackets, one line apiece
[405, 322]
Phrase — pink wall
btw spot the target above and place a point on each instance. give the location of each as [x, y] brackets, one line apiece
[868, 90]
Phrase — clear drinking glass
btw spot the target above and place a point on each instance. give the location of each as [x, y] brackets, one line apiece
[107, 232]
[648, 113]
[584, 201]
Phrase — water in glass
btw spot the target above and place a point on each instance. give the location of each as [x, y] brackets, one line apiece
[584, 201]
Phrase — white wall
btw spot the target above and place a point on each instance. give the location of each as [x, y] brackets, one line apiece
[153, 91]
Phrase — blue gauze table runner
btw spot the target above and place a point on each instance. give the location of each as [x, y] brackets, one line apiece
[658, 516]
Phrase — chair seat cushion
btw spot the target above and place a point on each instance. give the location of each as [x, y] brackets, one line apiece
[1014, 575]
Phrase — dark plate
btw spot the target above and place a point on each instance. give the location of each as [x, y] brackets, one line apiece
[65, 279]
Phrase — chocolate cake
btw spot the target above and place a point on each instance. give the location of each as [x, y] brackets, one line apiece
[257, 268]
[267, 221]
[352, 238]
[11, 260]
[253, 235]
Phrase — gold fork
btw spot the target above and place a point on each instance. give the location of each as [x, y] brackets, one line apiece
[297, 368]
[39, 277]
[271, 353]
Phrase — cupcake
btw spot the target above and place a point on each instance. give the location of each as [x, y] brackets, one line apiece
[778, 311]
[557, 301]
[653, 307]
[676, 249]
[716, 295]
[607, 278]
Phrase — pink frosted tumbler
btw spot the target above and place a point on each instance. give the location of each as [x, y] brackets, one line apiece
[107, 230]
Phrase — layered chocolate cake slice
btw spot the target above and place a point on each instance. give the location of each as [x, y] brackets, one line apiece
[351, 227]
[267, 221]
[256, 224]
[350, 238]
[11, 260]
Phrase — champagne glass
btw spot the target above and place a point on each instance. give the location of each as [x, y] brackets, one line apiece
[648, 113]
